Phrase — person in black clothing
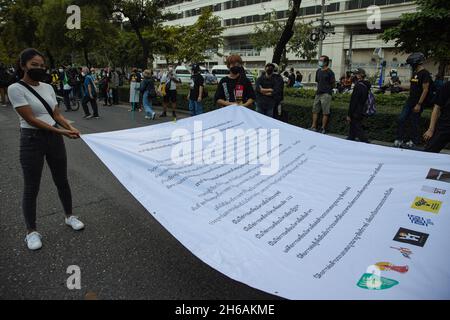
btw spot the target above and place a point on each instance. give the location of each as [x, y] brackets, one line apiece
[298, 77]
[291, 78]
[277, 111]
[196, 92]
[438, 133]
[235, 88]
[356, 109]
[268, 91]
[106, 80]
[417, 100]
[4, 83]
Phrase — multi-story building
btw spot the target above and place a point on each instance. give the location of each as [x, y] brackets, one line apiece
[352, 43]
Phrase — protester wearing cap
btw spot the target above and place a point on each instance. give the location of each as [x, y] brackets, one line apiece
[197, 90]
[418, 98]
[356, 110]
[268, 91]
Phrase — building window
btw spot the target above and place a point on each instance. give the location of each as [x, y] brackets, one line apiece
[333, 7]
[241, 3]
[360, 4]
[312, 10]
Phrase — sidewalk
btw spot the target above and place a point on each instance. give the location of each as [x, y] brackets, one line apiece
[376, 142]
[382, 143]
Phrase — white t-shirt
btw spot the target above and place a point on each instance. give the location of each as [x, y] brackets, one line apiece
[21, 96]
[166, 77]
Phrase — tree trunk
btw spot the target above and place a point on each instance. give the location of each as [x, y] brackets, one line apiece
[86, 58]
[287, 33]
[283, 60]
[144, 44]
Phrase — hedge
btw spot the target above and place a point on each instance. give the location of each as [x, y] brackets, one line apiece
[298, 103]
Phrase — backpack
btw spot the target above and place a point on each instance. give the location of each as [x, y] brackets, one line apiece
[370, 107]
[162, 90]
[74, 79]
[150, 87]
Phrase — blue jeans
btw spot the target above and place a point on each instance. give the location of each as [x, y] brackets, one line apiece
[408, 113]
[195, 107]
[268, 111]
[147, 104]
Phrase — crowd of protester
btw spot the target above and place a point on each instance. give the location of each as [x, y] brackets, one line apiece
[101, 85]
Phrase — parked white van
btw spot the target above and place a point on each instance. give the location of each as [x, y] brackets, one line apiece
[183, 73]
[221, 71]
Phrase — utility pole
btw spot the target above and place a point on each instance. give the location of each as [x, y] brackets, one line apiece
[350, 51]
[322, 21]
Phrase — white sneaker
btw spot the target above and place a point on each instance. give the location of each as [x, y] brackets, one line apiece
[74, 223]
[147, 117]
[153, 115]
[33, 240]
[410, 144]
[398, 143]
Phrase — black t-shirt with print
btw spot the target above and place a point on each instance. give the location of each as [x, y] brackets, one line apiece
[227, 87]
[197, 81]
[443, 101]
[417, 81]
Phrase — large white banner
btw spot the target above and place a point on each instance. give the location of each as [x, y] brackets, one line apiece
[321, 218]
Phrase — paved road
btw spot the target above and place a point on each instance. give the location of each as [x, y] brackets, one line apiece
[123, 253]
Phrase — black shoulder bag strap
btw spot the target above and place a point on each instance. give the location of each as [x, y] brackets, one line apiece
[42, 100]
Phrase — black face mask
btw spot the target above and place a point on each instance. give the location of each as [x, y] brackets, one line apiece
[414, 67]
[236, 70]
[269, 71]
[36, 74]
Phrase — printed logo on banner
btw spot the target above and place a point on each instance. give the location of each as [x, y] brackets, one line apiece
[420, 220]
[387, 266]
[428, 205]
[434, 190]
[404, 251]
[412, 237]
[439, 175]
[372, 280]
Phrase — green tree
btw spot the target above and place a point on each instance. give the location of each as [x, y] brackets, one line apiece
[98, 37]
[267, 35]
[143, 16]
[17, 25]
[426, 30]
[192, 43]
[50, 30]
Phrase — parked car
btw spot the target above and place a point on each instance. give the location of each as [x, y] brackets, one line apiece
[221, 71]
[183, 73]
